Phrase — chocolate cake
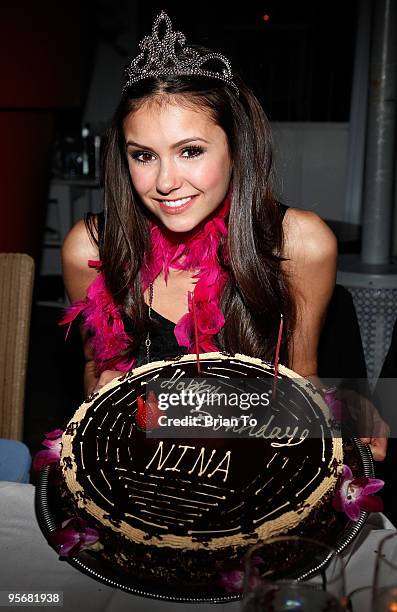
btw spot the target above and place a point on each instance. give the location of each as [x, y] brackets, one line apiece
[174, 504]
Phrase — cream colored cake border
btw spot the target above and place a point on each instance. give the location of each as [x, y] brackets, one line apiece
[287, 521]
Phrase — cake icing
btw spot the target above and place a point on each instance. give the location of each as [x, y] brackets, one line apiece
[213, 494]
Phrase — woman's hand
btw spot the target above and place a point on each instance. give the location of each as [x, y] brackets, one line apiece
[378, 447]
[105, 377]
[360, 414]
[367, 422]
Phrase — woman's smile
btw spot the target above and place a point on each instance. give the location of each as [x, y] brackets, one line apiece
[175, 207]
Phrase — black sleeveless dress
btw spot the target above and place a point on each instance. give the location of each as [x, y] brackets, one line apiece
[163, 342]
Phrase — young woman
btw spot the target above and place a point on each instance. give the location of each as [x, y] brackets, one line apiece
[189, 207]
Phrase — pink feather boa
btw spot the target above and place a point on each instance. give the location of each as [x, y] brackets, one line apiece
[102, 318]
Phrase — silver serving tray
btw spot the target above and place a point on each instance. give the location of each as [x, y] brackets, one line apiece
[92, 567]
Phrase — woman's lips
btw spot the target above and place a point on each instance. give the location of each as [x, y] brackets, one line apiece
[175, 210]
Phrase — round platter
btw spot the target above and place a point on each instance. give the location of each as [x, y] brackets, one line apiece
[91, 566]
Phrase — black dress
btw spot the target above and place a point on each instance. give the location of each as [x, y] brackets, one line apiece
[163, 342]
[340, 351]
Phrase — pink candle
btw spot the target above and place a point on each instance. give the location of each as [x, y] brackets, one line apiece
[280, 333]
[195, 332]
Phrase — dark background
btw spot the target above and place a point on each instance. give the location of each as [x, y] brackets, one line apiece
[299, 61]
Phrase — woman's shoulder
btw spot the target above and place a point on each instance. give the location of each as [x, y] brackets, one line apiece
[77, 249]
[307, 236]
[79, 243]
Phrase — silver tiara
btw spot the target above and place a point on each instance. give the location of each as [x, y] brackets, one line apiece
[158, 58]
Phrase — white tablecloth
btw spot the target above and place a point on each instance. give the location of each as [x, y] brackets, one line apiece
[28, 563]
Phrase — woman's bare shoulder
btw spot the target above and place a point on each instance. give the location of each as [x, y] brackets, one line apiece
[310, 247]
[78, 244]
[307, 237]
[77, 249]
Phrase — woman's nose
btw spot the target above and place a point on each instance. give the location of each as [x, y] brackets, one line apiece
[168, 177]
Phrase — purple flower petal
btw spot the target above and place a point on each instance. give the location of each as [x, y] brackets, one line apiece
[43, 458]
[66, 539]
[375, 484]
[346, 473]
[57, 433]
[360, 482]
[52, 443]
[232, 581]
[371, 504]
[74, 536]
[64, 535]
[334, 404]
[352, 510]
[89, 537]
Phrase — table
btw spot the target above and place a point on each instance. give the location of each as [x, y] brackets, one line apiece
[29, 563]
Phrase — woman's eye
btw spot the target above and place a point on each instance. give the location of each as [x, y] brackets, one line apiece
[138, 154]
[193, 151]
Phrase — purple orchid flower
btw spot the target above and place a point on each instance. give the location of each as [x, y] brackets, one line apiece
[74, 536]
[46, 457]
[233, 580]
[356, 494]
[334, 404]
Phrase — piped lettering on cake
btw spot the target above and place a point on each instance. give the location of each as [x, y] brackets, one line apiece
[202, 463]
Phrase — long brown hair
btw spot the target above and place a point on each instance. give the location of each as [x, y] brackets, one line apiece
[257, 290]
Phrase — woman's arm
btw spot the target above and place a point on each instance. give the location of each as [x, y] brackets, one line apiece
[77, 248]
[311, 249]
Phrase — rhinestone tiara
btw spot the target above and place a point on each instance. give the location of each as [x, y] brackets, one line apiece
[161, 58]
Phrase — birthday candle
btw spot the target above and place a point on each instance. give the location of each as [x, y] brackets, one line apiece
[195, 332]
[280, 333]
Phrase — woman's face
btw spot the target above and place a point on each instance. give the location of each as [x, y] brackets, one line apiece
[179, 182]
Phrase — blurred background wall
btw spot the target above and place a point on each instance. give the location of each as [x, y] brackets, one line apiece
[40, 67]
